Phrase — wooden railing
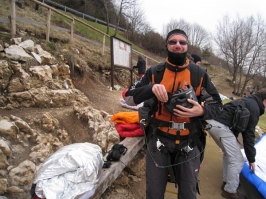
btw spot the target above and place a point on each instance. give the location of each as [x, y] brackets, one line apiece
[72, 19]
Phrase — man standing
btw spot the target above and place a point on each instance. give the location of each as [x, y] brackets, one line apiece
[225, 137]
[141, 66]
[173, 144]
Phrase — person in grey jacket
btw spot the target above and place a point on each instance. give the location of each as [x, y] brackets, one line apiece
[226, 139]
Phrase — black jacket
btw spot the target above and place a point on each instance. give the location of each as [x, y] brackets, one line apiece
[141, 65]
[255, 106]
[142, 90]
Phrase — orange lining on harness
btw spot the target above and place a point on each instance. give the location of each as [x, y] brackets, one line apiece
[167, 80]
[173, 131]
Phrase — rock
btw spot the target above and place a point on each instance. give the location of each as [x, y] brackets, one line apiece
[15, 52]
[3, 186]
[27, 45]
[1, 48]
[49, 123]
[3, 160]
[5, 75]
[8, 129]
[5, 148]
[46, 57]
[14, 190]
[23, 174]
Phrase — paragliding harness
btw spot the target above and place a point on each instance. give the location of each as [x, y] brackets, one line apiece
[150, 123]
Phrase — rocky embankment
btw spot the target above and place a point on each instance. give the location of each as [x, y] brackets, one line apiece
[31, 77]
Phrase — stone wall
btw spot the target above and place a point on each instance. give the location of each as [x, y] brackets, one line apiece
[31, 77]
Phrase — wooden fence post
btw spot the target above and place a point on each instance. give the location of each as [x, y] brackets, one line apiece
[72, 30]
[48, 24]
[103, 44]
[13, 18]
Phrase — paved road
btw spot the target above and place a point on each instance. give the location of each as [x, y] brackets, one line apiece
[29, 21]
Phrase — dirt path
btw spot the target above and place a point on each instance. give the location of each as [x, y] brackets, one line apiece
[210, 178]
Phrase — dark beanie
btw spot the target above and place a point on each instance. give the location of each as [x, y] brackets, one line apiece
[176, 32]
[196, 58]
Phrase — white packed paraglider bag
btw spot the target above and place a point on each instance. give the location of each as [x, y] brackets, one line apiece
[72, 170]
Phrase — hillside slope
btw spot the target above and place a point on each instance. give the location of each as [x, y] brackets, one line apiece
[45, 128]
[94, 83]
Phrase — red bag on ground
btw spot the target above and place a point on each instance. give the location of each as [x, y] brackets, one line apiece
[129, 130]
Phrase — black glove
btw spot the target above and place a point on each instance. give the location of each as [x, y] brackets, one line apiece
[115, 153]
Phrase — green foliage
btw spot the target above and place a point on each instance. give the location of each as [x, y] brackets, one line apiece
[5, 37]
[150, 41]
[52, 46]
[206, 52]
[88, 32]
[206, 64]
[77, 4]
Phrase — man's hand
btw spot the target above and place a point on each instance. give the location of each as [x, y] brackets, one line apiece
[183, 112]
[252, 166]
[160, 92]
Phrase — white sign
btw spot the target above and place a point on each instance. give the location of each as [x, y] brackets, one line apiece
[121, 53]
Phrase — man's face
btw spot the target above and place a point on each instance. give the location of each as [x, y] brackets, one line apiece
[198, 63]
[177, 44]
[264, 103]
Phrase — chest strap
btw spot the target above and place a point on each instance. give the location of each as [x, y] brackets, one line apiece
[174, 125]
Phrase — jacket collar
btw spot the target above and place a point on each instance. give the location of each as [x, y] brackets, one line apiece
[175, 68]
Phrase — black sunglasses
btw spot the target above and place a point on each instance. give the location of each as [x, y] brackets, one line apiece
[174, 42]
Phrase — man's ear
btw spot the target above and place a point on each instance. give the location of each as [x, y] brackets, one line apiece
[264, 103]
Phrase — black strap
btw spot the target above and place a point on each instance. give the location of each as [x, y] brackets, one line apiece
[171, 136]
[197, 187]
[197, 72]
[171, 172]
[158, 72]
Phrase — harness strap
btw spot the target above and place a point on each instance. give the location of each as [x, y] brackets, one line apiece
[175, 125]
[171, 136]
[172, 176]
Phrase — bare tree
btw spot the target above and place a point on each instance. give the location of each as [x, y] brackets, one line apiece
[263, 72]
[197, 35]
[154, 43]
[107, 5]
[180, 24]
[123, 5]
[136, 18]
[241, 42]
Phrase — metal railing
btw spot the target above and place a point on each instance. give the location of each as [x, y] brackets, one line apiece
[80, 14]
